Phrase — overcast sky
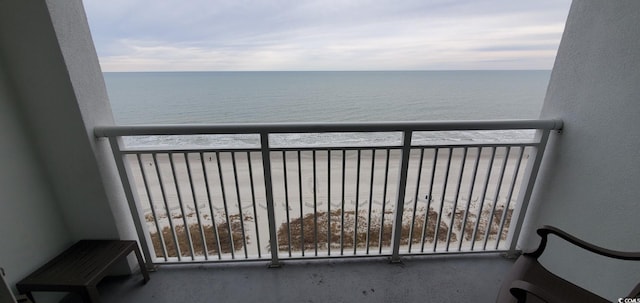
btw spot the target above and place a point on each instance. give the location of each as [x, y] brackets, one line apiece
[222, 35]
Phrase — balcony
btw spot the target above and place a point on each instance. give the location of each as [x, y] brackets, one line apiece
[273, 191]
[61, 184]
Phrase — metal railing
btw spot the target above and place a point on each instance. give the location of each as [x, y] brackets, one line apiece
[317, 190]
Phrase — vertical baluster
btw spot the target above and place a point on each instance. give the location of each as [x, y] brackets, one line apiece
[445, 183]
[166, 205]
[301, 203]
[415, 199]
[484, 193]
[384, 200]
[235, 178]
[455, 200]
[496, 197]
[286, 199]
[471, 187]
[329, 202]
[210, 201]
[373, 162]
[253, 201]
[315, 204]
[153, 211]
[511, 188]
[226, 208]
[197, 209]
[429, 198]
[344, 159]
[355, 228]
[182, 212]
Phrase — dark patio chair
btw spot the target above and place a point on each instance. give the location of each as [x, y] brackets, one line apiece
[528, 281]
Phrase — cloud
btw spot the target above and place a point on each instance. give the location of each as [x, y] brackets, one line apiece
[325, 34]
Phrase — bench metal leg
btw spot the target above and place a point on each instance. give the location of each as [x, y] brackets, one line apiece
[143, 267]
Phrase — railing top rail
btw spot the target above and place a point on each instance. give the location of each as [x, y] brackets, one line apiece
[313, 127]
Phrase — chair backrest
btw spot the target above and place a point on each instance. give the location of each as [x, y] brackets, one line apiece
[5, 292]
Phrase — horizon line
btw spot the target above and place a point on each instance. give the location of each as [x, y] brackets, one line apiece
[349, 71]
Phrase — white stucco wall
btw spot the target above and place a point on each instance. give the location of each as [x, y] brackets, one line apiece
[590, 181]
[48, 102]
[32, 228]
[54, 94]
[54, 69]
[81, 60]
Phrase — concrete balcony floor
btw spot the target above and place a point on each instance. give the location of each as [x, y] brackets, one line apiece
[464, 278]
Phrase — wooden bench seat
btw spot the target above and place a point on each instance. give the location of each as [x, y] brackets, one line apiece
[80, 268]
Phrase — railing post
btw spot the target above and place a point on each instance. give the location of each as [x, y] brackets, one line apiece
[402, 185]
[268, 187]
[143, 235]
[532, 172]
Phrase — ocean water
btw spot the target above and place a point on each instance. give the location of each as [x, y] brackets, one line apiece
[241, 97]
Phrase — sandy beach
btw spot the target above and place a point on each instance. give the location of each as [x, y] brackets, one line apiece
[218, 187]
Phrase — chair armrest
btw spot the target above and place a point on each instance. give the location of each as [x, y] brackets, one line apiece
[544, 231]
[519, 289]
